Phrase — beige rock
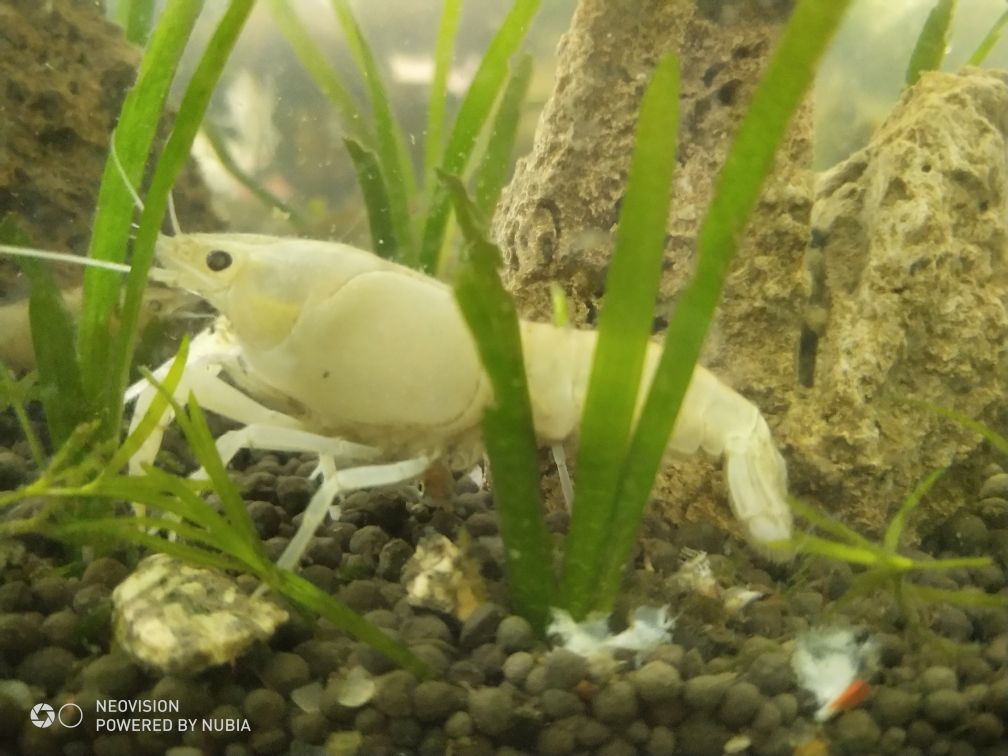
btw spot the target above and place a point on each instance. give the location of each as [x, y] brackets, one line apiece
[910, 290]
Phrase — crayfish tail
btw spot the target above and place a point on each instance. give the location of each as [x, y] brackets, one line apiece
[757, 485]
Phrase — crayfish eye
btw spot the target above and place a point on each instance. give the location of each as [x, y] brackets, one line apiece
[218, 260]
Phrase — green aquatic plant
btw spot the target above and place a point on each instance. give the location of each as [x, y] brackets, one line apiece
[885, 567]
[989, 41]
[933, 41]
[136, 17]
[408, 211]
[82, 372]
[180, 523]
[618, 459]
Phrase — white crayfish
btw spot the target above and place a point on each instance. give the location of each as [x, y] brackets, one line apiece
[370, 365]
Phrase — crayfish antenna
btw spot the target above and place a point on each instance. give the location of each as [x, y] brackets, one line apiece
[122, 174]
[176, 228]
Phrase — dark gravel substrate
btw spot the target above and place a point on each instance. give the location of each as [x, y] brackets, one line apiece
[724, 686]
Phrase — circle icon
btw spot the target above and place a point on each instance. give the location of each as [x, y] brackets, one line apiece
[42, 715]
[70, 715]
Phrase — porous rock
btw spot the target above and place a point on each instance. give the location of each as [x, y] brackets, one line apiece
[909, 290]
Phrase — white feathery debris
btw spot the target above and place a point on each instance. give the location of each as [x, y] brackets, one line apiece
[829, 662]
[649, 628]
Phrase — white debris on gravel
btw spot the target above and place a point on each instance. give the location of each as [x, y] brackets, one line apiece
[829, 662]
[649, 628]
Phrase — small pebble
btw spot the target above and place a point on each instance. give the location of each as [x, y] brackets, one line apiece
[481, 626]
[740, 704]
[938, 678]
[265, 517]
[995, 485]
[104, 571]
[996, 651]
[965, 534]
[20, 633]
[458, 725]
[284, 671]
[985, 729]
[489, 658]
[362, 596]
[325, 550]
[590, 732]
[656, 682]
[323, 657]
[767, 719]
[293, 492]
[557, 739]
[113, 674]
[517, 667]
[368, 540]
[425, 627]
[662, 742]
[952, 622]
[772, 673]
[405, 732]
[855, 732]
[514, 633]
[702, 736]
[617, 747]
[48, 667]
[894, 706]
[391, 559]
[491, 709]
[481, 524]
[394, 693]
[52, 593]
[564, 669]
[560, 704]
[434, 656]
[309, 727]
[705, 692]
[615, 704]
[62, 629]
[435, 700]
[944, 707]
[264, 708]
[996, 699]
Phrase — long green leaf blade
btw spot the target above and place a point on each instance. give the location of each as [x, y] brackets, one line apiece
[624, 332]
[496, 164]
[390, 142]
[929, 51]
[176, 152]
[989, 41]
[507, 426]
[138, 23]
[110, 232]
[898, 523]
[787, 78]
[154, 413]
[444, 54]
[623, 335]
[384, 241]
[320, 70]
[52, 331]
[472, 115]
[307, 594]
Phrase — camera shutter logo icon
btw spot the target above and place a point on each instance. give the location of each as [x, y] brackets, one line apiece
[42, 715]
